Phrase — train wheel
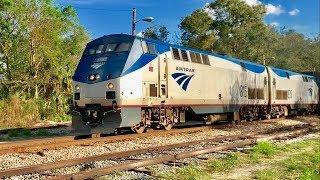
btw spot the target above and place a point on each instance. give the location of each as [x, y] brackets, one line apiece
[139, 128]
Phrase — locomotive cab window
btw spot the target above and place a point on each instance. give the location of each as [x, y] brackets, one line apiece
[176, 54]
[123, 47]
[110, 47]
[99, 49]
[152, 48]
[91, 51]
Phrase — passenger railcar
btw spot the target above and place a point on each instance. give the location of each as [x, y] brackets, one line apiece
[129, 81]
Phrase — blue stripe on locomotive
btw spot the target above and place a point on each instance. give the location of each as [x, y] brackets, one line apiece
[163, 47]
[283, 73]
[113, 67]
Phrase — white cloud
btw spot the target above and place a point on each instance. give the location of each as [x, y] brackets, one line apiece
[252, 2]
[294, 12]
[272, 9]
[274, 24]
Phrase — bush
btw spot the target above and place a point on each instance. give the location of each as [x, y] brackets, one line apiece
[18, 111]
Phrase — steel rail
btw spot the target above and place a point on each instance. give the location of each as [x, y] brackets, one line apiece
[66, 141]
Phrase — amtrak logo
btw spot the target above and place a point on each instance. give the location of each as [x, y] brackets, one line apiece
[97, 65]
[182, 79]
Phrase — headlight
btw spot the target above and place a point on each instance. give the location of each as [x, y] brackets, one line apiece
[97, 76]
[110, 86]
[92, 77]
[77, 87]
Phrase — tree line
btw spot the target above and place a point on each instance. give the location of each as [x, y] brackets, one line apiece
[40, 45]
[234, 28]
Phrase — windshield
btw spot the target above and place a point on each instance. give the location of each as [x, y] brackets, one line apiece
[108, 48]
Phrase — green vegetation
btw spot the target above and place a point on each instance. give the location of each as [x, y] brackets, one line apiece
[237, 29]
[267, 174]
[304, 166]
[16, 133]
[40, 45]
[223, 164]
[160, 33]
[20, 133]
[42, 133]
[293, 161]
[262, 150]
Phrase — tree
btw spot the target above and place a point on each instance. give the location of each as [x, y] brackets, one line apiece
[40, 45]
[296, 52]
[232, 27]
[160, 33]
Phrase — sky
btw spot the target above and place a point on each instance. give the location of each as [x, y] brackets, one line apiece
[102, 17]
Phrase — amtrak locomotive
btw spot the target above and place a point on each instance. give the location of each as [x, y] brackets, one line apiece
[128, 81]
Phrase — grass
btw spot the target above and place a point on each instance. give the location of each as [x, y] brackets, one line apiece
[262, 150]
[299, 160]
[223, 164]
[187, 173]
[303, 166]
[303, 162]
[267, 174]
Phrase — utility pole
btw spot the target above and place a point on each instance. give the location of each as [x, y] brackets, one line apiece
[134, 20]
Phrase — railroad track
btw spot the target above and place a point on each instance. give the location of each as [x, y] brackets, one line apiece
[166, 153]
[36, 145]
